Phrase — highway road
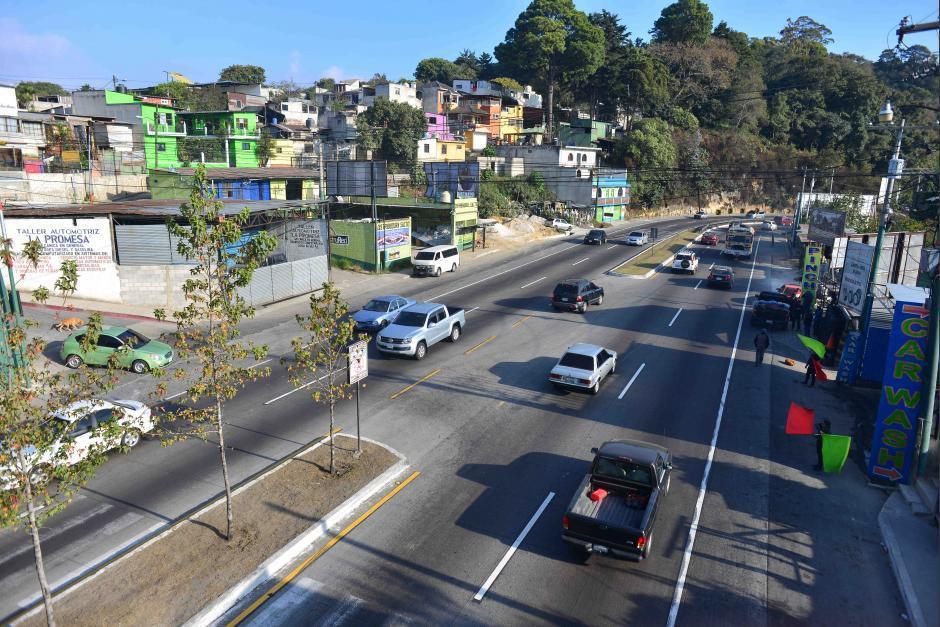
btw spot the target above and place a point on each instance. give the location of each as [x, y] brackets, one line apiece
[495, 442]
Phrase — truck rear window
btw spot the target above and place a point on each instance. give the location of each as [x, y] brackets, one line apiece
[622, 470]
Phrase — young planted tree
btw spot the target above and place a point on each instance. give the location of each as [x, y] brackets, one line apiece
[207, 327]
[320, 355]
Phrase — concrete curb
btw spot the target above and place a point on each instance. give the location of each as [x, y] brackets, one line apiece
[299, 545]
[905, 583]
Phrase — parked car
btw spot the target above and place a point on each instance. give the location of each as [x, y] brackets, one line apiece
[434, 260]
[755, 215]
[576, 295]
[770, 310]
[709, 239]
[135, 351]
[721, 276]
[583, 367]
[420, 326]
[685, 261]
[767, 225]
[561, 225]
[380, 312]
[596, 236]
[86, 427]
[792, 291]
[614, 508]
[638, 238]
[785, 220]
[699, 215]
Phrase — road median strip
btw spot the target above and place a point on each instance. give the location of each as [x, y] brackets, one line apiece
[645, 263]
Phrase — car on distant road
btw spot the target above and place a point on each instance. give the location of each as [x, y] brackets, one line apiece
[614, 508]
[699, 215]
[583, 367]
[709, 239]
[85, 428]
[767, 225]
[685, 261]
[576, 295]
[755, 215]
[420, 326]
[721, 276]
[134, 350]
[380, 312]
[596, 236]
[561, 225]
[638, 238]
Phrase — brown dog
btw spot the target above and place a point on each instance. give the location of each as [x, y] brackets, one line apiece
[68, 324]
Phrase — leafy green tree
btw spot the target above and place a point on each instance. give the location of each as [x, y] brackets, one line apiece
[468, 65]
[649, 152]
[181, 93]
[435, 69]
[320, 355]
[684, 22]
[252, 74]
[908, 68]
[507, 84]
[806, 34]
[551, 39]
[26, 91]
[264, 149]
[392, 129]
[326, 83]
[207, 333]
[486, 66]
[699, 72]
[85, 87]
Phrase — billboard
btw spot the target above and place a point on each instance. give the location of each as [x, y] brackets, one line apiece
[899, 261]
[461, 179]
[810, 282]
[895, 438]
[353, 178]
[855, 273]
[825, 225]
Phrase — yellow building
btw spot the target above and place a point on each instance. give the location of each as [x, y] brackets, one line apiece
[510, 123]
[433, 149]
[282, 153]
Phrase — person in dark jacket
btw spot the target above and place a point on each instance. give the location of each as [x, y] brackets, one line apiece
[818, 323]
[761, 344]
[811, 365]
[796, 315]
[807, 321]
[823, 427]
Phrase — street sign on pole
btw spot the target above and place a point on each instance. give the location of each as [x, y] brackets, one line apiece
[358, 368]
[855, 272]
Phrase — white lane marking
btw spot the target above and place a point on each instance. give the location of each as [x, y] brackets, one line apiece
[582, 261]
[515, 545]
[697, 284]
[172, 396]
[711, 266]
[533, 282]
[632, 379]
[74, 522]
[693, 529]
[260, 363]
[305, 385]
[471, 310]
[612, 247]
[675, 316]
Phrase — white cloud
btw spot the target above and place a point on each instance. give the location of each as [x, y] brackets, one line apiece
[17, 42]
[295, 70]
[38, 56]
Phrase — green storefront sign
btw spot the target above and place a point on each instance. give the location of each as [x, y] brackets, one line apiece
[811, 261]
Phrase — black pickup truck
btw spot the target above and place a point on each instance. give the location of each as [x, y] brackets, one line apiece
[635, 476]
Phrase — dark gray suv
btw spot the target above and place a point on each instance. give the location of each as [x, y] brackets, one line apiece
[576, 295]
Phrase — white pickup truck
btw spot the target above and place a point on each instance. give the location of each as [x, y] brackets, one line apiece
[420, 326]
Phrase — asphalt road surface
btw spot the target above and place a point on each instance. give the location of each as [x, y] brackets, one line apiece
[494, 442]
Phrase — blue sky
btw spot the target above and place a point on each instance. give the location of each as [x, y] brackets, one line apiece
[76, 42]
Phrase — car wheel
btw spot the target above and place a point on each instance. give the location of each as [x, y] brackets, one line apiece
[140, 366]
[437, 272]
[455, 333]
[582, 307]
[421, 351]
[453, 268]
[73, 361]
[600, 299]
[131, 438]
[596, 387]
[385, 323]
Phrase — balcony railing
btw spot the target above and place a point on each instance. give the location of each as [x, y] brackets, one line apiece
[209, 131]
[166, 129]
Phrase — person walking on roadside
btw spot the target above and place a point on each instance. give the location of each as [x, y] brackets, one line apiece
[761, 344]
[796, 315]
[822, 428]
[807, 321]
[812, 364]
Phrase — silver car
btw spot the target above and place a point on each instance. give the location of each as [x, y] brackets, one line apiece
[638, 238]
[583, 366]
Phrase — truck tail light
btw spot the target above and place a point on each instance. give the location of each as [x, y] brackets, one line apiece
[584, 381]
[580, 299]
[554, 376]
[641, 542]
[564, 521]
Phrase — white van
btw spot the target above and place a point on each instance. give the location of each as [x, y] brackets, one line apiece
[435, 260]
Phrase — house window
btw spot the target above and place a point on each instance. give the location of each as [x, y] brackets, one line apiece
[619, 191]
[397, 91]
[161, 147]
[443, 149]
[570, 156]
[278, 150]
[246, 146]
[427, 148]
[285, 106]
[241, 123]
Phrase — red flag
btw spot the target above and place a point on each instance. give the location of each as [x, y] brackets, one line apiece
[800, 420]
[820, 373]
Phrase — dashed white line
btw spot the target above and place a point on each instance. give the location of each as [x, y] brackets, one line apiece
[522, 287]
[675, 316]
[582, 261]
[632, 379]
[172, 396]
[612, 247]
[515, 545]
[697, 284]
[471, 310]
[260, 363]
[703, 488]
[297, 389]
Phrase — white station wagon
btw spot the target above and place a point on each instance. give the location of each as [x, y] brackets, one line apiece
[583, 366]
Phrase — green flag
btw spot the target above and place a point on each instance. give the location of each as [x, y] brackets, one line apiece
[835, 450]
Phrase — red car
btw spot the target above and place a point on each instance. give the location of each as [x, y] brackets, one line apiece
[791, 291]
[710, 239]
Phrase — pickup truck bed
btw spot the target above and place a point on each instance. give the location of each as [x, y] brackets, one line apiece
[624, 512]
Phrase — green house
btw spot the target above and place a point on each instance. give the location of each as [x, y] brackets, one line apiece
[220, 139]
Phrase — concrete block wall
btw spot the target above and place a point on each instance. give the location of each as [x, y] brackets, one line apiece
[54, 187]
[153, 286]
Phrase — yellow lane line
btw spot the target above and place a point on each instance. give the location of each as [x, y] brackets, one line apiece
[483, 343]
[319, 553]
[421, 380]
[520, 321]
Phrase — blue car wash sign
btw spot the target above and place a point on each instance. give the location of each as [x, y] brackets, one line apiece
[848, 365]
[895, 436]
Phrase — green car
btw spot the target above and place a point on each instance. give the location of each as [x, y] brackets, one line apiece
[140, 355]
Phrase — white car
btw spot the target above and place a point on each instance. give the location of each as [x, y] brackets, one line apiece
[767, 225]
[699, 215]
[85, 430]
[583, 366]
[638, 238]
[755, 215]
[561, 225]
[685, 261]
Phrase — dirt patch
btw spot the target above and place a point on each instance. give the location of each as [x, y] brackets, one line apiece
[650, 259]
[173, 578]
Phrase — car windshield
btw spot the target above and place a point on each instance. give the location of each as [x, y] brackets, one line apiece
[411, 319]
[566, 289]
[424, 256]
[596, 233]
[376, 305]
[133, 339]
[575, 360]
[622, 470]
[636, 234]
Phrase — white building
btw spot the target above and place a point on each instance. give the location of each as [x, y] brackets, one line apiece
[299, 110]
[395, 92]
[478, 88]
[8, 100]
[560, 156]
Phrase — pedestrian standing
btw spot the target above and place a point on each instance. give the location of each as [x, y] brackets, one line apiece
[811, 366]
[761, 344]
[796, 315]
[818, 323]
[807, 321]
[822, 428]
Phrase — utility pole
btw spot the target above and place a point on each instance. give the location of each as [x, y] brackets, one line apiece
[322, 180]
[933, 354]
[375, 218]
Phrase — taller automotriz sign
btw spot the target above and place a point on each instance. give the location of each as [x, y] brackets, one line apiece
[892, 449]
[811, 261]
